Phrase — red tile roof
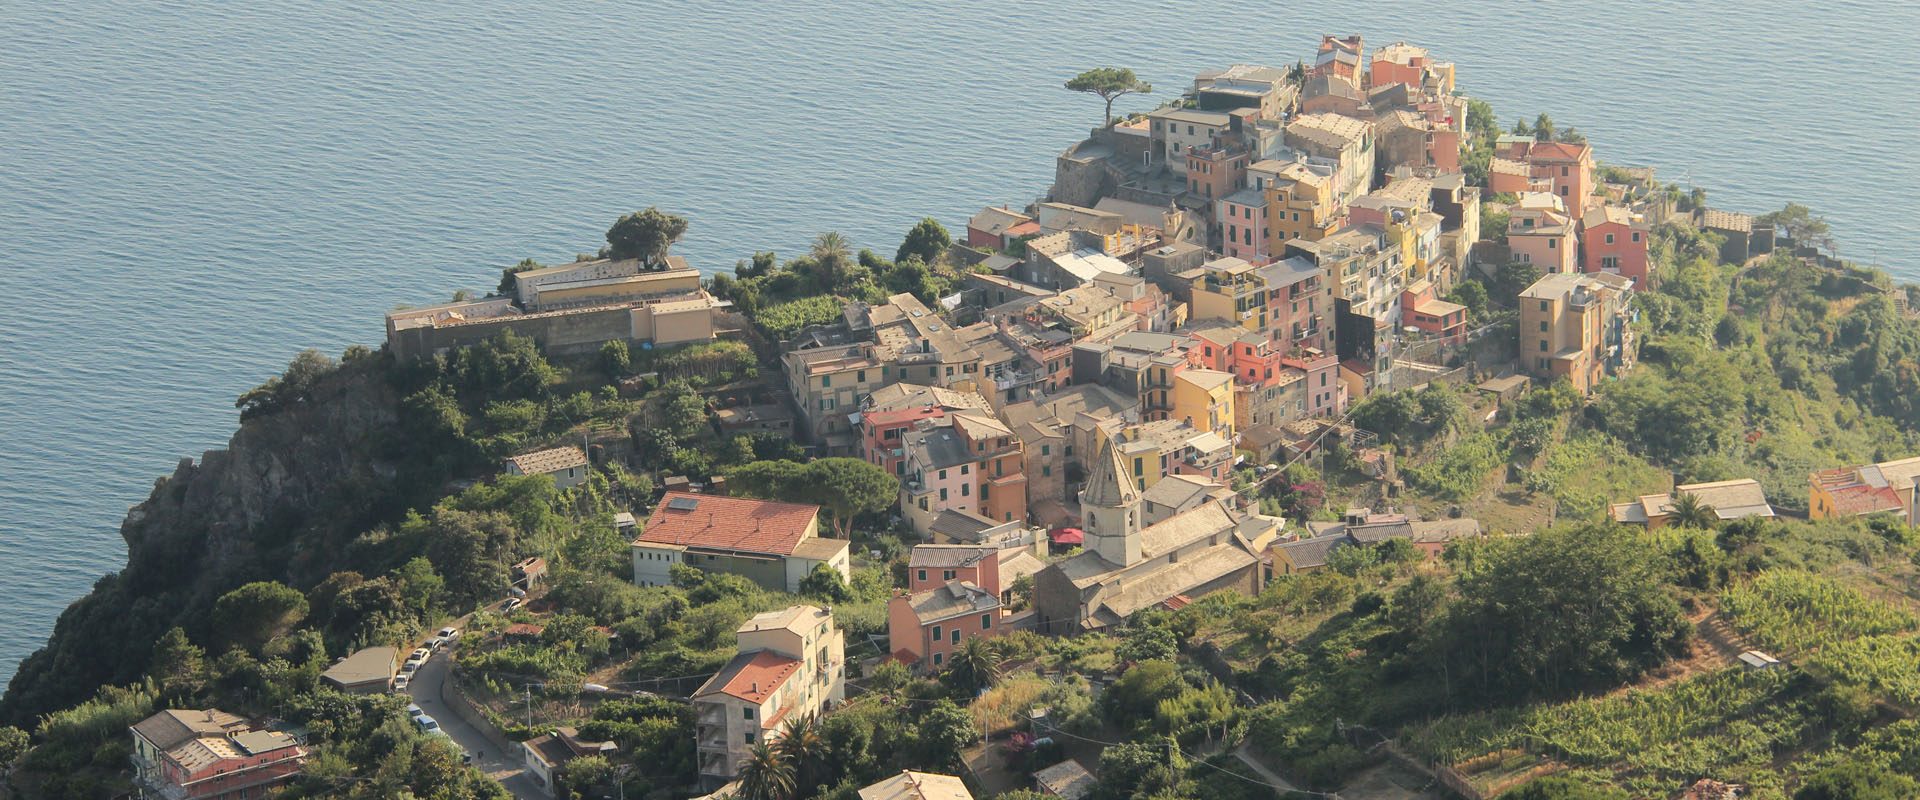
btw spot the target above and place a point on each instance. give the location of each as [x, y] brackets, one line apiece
[728, 523]
[523, 629]
[1556, 151]
[1863, 499]
[755, 677]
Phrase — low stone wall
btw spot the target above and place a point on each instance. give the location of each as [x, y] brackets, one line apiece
[469, 712]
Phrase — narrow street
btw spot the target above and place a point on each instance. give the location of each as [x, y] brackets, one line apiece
[429, 691]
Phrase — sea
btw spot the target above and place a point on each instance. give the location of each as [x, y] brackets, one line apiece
[193, 191]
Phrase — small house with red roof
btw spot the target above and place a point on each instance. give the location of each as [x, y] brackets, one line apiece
[773, 544]
[791, 663]
[1887, 487]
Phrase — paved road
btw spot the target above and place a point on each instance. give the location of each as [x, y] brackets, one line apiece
[429, 692]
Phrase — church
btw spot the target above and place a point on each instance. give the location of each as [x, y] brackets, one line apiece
[1129, 564]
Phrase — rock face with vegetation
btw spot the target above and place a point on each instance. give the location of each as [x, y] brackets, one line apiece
[279, 501]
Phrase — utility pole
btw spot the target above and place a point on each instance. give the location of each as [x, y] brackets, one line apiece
[529, 690]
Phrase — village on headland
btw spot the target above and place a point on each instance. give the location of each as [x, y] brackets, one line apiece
[1251, 460]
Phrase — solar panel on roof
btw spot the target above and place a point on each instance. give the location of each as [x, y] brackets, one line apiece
[684, 503]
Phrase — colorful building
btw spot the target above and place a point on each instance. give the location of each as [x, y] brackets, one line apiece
[210, 755]
[1565, 169]
[967, 462]
[1423, 310]
[789, 664]
[1574, 326]
[1613, 239]
[1887, 487]
[1540, 233]
[1203, 398]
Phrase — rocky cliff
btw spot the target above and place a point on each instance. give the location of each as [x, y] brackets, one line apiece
[280, 502]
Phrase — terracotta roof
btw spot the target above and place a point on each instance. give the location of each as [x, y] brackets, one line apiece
[523, 629]
[728, 523]
[752, 677]
[1863, 499]
[542, 462]
[1557, 151]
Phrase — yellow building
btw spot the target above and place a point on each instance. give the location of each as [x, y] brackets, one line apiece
[1299, 204]
[1886, 487]
[1230, 289]
[1204, 399]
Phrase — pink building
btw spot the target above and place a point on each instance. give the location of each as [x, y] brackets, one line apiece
[1398, 63]
[1612, 239]
[1566, 168]
[1243, 225]
[932, 566]
[1326, 394]
[1421, 308]
[924, 628]
[1541, 234]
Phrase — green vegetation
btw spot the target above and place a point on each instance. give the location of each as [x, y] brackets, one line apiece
[1109, 83]
[645, 235]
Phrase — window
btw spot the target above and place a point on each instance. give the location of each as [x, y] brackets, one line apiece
[1553, 244]
[1543, 326]
[986, 622]
[749, 737]
[1636, 236]
[1046, 449]
[1543, 345]
[943, 492]
[983, 490]
[922, 575]
[946, 575]
[1067, 451]
[1546, 305]
[936, 633]
[937, 657]
[943, 474]
[1609, 238]
[956, 635]
[1046, 470]
[1564, 172]
[746, 713]
[966, 490]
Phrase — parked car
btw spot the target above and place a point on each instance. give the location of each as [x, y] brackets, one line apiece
[414, 711]
[400, 682]
[449, 633]
[427, 724]
[421, 654]
[512, 603]
[409, 667]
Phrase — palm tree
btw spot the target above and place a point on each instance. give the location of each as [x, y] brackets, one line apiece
[766, 775]
[831, 253]
[803, 745]
[1690, 512]
[973, 667]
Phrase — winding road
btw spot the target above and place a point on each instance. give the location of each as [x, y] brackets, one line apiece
[428, 688]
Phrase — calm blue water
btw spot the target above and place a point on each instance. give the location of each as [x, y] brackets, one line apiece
[193, 191]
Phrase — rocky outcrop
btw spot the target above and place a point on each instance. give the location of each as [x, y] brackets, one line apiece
[278, 503]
